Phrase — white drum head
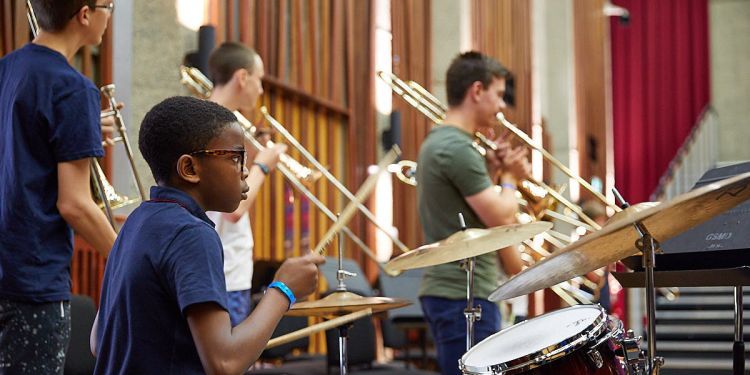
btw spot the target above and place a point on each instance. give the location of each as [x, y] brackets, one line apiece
[532, 336]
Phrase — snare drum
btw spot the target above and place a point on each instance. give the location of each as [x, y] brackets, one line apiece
[575, 340]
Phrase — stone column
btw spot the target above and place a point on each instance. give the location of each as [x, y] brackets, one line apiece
[149, 45]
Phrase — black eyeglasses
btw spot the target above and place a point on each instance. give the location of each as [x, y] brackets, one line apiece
[239, 157]
[110, 7]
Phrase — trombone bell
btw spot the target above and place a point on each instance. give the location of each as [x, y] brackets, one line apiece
[114, 200]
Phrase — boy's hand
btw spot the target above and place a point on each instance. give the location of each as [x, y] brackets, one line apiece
[300, 274]
[108, 124]
[270, 156]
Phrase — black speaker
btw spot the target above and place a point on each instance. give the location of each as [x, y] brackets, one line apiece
[722, 242]
[392, 136]
[191, 59]
[510, 91]
[206, 42]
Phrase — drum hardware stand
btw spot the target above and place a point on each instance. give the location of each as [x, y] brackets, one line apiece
[341, 275]
[631, 350]
[738, 350]
[648, 247]
[472, 313]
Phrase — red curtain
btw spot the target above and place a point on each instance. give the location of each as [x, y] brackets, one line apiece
[660, 86]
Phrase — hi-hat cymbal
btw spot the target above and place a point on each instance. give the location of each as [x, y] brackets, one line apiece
[617, 239]
[340, 303]
[466, 244]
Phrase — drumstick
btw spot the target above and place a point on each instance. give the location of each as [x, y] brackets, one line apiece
[315, 328]
[353, 206]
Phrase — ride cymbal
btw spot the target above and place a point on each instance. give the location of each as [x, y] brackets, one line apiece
[340, 303]
[466, 244]
[617, 239]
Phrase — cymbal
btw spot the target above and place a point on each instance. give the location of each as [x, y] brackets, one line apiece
[340, 303]
[466, 244]
[617, 239]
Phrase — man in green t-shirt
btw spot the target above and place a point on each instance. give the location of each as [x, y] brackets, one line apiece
[452, 178]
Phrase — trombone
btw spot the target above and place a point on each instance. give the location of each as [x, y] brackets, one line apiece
[291, 176]
[196, 81]
[201, 87]
[292, 170]
[433, 108]
[108, 198]
[335, 182]
[31, 16]
[430, 106]
[406, 171]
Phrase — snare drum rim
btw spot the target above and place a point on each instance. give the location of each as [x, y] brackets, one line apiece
[544, 355]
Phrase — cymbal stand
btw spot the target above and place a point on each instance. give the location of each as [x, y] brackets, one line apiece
[472, 313]
[341, 275]
[648, 246]
[738, 350]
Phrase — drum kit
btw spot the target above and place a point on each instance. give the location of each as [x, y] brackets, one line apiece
[580, 339]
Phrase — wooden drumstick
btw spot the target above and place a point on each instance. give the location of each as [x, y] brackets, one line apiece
[315, 328]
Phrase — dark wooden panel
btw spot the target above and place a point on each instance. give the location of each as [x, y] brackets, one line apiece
[411, 23]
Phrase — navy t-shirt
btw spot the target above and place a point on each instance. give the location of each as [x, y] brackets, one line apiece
[167, 257]
[49, 113]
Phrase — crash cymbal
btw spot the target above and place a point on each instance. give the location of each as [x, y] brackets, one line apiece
[617, 239]
[466, 244]
[340, 303]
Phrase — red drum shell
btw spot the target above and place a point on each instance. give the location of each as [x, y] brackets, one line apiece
[576, 340]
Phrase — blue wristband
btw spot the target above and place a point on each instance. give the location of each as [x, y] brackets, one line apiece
[263, 168]
[506, 185]
[284, 289]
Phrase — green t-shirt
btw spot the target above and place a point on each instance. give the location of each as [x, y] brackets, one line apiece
[450, 169]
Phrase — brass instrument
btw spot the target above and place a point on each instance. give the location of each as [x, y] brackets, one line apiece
[292, 178]
[196, 81]
[31, 16]
[431, 107]
[106, 197]
[335, 182]
[304, 174]
[405, 170]
[201, 87]
[352, 207]
[109, 92]
[530, 143]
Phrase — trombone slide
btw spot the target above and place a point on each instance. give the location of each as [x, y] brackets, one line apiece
[302, 173]
[335, 182]
[292, 178]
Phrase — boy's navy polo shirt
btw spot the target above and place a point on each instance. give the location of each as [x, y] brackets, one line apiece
[167, 257]
[49, 113]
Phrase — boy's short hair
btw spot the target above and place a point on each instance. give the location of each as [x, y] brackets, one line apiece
[178, 126]
[228, 58]
[467, 68]
[53, 15]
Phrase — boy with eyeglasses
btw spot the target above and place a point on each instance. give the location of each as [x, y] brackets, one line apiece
[164, 301]
[49, 131]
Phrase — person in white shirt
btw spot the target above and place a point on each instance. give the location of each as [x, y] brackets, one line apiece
[237, 71]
